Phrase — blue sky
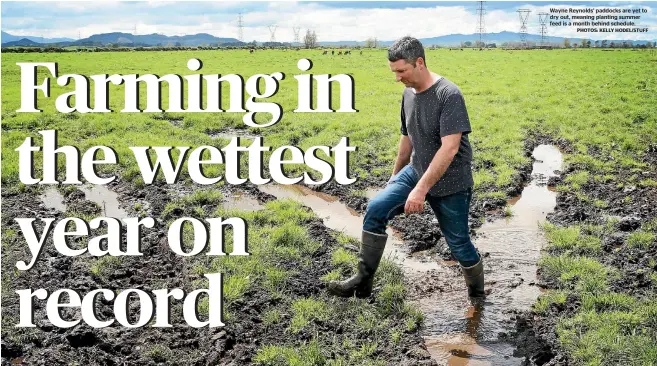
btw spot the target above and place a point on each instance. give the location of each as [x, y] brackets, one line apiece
[333, 21]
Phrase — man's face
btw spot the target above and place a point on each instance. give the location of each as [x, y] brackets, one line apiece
[405, 72]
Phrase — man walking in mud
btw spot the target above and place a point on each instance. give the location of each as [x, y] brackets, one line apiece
[433, 164]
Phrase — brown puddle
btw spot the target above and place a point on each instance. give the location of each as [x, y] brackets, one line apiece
[456, 333]
[239, 201]
[339, 217]
[514, 246]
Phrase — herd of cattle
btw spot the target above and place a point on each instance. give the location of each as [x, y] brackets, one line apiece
[325, 52]
[346, 52]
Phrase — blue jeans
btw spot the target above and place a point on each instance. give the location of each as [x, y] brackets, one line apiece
[451, 211]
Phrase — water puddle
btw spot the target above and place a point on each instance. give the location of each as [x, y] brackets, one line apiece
[105, 198]
[230, 133]
[514, 246]
[51, 198]
[339, 217]
[457, 333]
[239, 201]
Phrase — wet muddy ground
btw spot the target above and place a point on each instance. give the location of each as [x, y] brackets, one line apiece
[234, 344]
[502, 331]
[455, 332]
[632, 206]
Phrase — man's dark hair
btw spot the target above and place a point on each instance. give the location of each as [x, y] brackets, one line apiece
[408, 49]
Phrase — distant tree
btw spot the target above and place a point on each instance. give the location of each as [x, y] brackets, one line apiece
[310, 39]
[370, 42]
[178, 44]
[604, 43]
[596, 44]
[468, 44]
[612, 45]
[566, 42]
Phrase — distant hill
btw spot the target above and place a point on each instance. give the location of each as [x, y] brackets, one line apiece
[204, 39]
[501, 37]
[24, 42]
[456, 39]
[156, 39]
[125, 39]
[6, 37]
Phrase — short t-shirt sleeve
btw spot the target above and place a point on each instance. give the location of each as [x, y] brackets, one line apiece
[454, 116]
[403, 129]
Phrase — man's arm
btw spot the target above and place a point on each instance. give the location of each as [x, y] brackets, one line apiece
[439, 164]
[403, 155]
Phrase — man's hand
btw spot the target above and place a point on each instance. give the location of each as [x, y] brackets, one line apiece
[415, 201]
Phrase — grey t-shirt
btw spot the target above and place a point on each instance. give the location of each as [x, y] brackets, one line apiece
[426, 117]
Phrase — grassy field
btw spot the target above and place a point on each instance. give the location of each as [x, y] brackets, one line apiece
[599, 106]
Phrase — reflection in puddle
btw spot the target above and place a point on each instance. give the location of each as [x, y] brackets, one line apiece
[372, 192]
[105, 198]
[51, 198]
[239, 201]
[513, 245]
[455, 332]
[339, 217]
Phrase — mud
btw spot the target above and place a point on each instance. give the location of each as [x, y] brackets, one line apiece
[535, 334]
[472, 337]
[335, 215]
[456, 332]
[230, 133]
[234, 344]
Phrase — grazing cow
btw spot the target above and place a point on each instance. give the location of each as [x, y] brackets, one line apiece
[332, 52]
[251, 50]
[325, 52]
[339, 53]
[361, 53]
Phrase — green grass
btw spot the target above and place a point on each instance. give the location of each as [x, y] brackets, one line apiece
[577, 180]
[614, 337]
[104, 266]
[343, 257]
[579, 273]
[572, 239]
[500, 115]
[650, 225]
[548, 298]
[641, 239]
[307, 310]
[301, 355]
[596, 101]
